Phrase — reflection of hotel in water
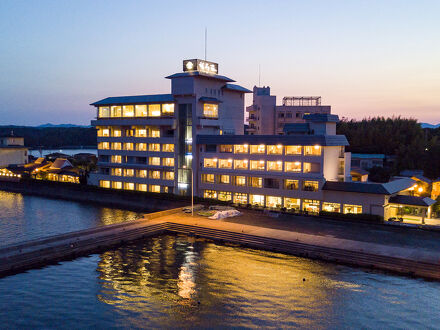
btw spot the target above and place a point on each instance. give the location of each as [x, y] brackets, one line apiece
[152, 142]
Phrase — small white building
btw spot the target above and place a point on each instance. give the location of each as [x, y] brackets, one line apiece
[12, 151]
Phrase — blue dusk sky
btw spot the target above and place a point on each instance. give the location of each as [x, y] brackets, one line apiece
[365, 58]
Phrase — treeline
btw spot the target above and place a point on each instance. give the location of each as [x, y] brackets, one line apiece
[52, 137]
[413, 146]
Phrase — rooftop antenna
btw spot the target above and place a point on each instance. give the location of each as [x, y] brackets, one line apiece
[206, 41]
[259, 75]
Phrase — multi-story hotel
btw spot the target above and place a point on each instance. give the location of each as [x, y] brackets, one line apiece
[156, 143]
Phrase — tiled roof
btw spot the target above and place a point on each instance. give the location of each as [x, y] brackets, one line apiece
[200, 74]
[388, 188]
[237, 88]
[135, 99]
[411, 200]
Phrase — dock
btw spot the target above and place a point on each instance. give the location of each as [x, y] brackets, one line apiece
[38, 253]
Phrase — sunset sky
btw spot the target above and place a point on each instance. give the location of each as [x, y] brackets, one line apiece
[365, 58]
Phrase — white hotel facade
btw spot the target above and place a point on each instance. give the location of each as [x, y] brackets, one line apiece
[153, 143]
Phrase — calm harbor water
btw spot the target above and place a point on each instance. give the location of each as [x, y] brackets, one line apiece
[178, 281]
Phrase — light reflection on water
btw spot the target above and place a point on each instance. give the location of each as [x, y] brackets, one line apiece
[176, 281]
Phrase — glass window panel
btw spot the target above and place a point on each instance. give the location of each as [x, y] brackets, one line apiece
[226, 148]
[240, 198]
[256, 200]
[168, 147]
[257, 165]
[141, 110]
[210, 162]
[355, 209]
[225, 196]
[128, 110]
[292, 203]
[168, 161]
[310, 205]
[312, 150]
[154, 147]
[154, 161]
[241, 164]
[142, 187]
[275, 165]
[168, 109]
[258, 149]
[225, 163]
[155, 188]
[116, 111]
[275, 150]
[310, 185]
[255, 182]
[210, 110]
[154, 110]
[104, 112]
[273, 201]
[291, 184]
[241, 148]
[292, 167]
[293, 150]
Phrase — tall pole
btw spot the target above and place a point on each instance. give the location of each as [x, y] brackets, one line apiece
[192, 193]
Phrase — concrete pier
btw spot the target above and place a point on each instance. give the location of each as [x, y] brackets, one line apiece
[403, 260]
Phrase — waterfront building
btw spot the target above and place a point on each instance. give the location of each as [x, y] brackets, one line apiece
[12, 151]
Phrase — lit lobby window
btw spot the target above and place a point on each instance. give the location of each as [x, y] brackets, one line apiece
[129, 172]
[293, 150]
[311, 167]
[355, 209]
[155, 188]
[168, 147]
[116, 159]
[273, 201]
[168, 109]
[141, 147]
[128, 146]
[291, 184]
[292, 203]
[129, 186]
[240, 181]
[241, 149]
[210, 194]
[275, 150]
[142, 173]
[292, 167]
[312, 150]
[331, 207]
[208, 178]
[274, 165]
[104, 184]
[225, 196]
[168, 161]
[256, 200]
[255, 182]
[257, 165]
[225, 163]
[225, 179]
[116, 111]
[117, 171]
[226, 148]
[141, 110]
[258, 149]
[210, 110]
[142, 187]
[168, 175]
[210, 162]
[310, 205]
[154, 147]
[117, 185]
[240, 198]
[241, 164]
[154, 161]
[310, 185]
[128, 111]
[154, 110]
[104, 112]
[154, 174]
[116, 146]
[116, 132]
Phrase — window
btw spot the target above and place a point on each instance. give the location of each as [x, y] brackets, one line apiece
[275, 150]
[241, 149]
[116, 132]
[312, 150]
[271, 183]
[104, 112]
[240, 198]
[155, 175]
[210, 162]
[292, 167]
[239, 180]
[154, 161]
[292, 203]
[104, 184]
[310, 185]
[289, 115]
[256, 200]
[355, 209]
[274, 166]
[154, 147]
[291, 184]
[211, 148]
[258, 149]
[117, 171]
[104, 145]
[142, 187]
[210, 110]
[293, 150]
[241, 164]
[142, 173]
[225, 163]
[155, 133]
[273, 201]
[141, 147]
[226, 148]
[226, 179]
[117, 185]
[257, 165]
[168, 175]
[255, 182]
[129, 186]
[116, 111]
[141, 132]
[104, 132]
[116, 146]
[208, 178]
[331, 207]
[140, 110]
[168, 147]
[312, 167]
[154, 110]
[225, 196]
[310, 205]
[128, 146]
[129, 172]
[116, 159]
[168, 109]
[128, 111]
[210, 194]
[155, 188]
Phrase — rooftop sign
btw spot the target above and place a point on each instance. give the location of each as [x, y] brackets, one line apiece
[200, 65]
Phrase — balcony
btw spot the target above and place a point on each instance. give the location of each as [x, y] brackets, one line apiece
[133, 121]
[208, 121]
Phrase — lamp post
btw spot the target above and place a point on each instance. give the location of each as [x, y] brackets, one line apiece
[192, 189]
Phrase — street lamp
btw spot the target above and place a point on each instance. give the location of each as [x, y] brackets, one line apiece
[192, 189]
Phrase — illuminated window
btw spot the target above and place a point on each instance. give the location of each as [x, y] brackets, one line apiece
[155, 188]
[117, 171]
[128, 111]
[208, 178]
[168, 175]
[141, 132]
[154, 174]
[141, 147]
[210, 110]
[117, 133]
[241, 164]
[210, 194]
[275, 165]
[168, 147]
[225, 163]
[258, 149]
[310, 205]
[355, 209]
[128, 146]
[104, 145]
[291, 184]
[142, 187]
[154, 147]
[116, 159]
[312, 167]
[257, 200]
[255, 182]
[129, 172]
[273, 201]
[129, 186]
[154, 110]
[312, 150]
[293, 150]
[154, 161]
[105, 132]
[239, 180]
[331, 207]
[292, 167]
[210, 162]
[240, 198]
[104, 184]
[141, 110]
[226, 179]
[168, 109]
[275, 150]
[116, 146]
[155, 133]
[168, 162]
[226, 148]
[142, 173]
[104, 112]
[241, 149]
[117, 185]
[292, 203]
[116, 111]
[225, 196]
[257, 165]
[310, 185]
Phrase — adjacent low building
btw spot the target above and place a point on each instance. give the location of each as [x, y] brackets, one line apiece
[12, 151]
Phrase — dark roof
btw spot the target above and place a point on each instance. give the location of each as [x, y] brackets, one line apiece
[236, 88]
[388, 188]
[209, 99]
[296, 128]
[411, 200]
[200, 74]
[422, 178]
[359, 171]
[135, 99]
[321, 117]
[304, 140]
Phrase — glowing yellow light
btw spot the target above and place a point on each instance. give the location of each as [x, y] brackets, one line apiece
[215, 159]
[420, 189]
[245, 145]
[297, 163]
[317, 146]
[279, 162]
[279, 146]
[261, 161]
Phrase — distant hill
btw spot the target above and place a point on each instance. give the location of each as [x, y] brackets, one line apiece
[61, 125]
[426, 125]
